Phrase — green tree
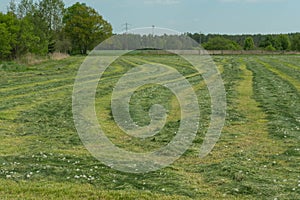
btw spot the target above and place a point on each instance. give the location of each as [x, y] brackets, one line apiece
[85, 27]
[27, 28]
[284, 42]
[296, 42]
[25, 7]
[12, 7]
[173, 42]
[28, 40]
[249, 44]
[221, 43]
[5, 46]
[12, 26]
[52, 12]
[38, 26]
[62, 43]
[270, 42]
[270, 48]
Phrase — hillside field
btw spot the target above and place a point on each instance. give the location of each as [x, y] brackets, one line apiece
[256, 157]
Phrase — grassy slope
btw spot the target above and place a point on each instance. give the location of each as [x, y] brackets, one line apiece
[257, 156]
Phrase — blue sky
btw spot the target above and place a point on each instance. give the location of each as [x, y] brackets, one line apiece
[206, 16]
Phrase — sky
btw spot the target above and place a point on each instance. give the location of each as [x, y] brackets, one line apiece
[202, 16]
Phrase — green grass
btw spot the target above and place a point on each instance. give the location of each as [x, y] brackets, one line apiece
[257, 156]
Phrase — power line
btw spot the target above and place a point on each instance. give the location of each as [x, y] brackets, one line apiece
[153, 27]
[126, 25]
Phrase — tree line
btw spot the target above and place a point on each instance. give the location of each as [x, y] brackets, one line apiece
[47, 26]
[269, 42]
[280, 42]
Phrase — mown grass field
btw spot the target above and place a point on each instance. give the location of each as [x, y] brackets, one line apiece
[257, 156]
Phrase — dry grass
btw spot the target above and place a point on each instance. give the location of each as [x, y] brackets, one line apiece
[32, 59]
[58, 56]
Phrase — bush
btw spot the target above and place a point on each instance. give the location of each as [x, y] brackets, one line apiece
[220, 43]
[270, 48]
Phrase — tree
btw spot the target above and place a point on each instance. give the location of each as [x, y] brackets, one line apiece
[221, 43]
[284, 42]
[296, 42]
[46, 18]
[26, 34]
[173, 42]
[4, 41]
[249, 44]
[270, 48]
[29, 38]
[85, 27]
[25, 7]
[62, 44]
[52, 12]
[12, 26]
[12, 7]
[27, 27]
[270, 42]
[38, 28]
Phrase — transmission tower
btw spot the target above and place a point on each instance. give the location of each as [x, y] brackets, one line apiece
[153, 27]
[126, 27]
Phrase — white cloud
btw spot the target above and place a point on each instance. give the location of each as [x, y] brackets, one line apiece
[164, 2]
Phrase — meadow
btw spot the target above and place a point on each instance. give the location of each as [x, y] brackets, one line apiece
[256, 157]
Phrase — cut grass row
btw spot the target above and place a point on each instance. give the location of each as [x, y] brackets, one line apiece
[283, 71]
[255, 158]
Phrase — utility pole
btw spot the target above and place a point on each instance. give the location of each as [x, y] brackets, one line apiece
[126, 27]
[200, 35]
[153, 27]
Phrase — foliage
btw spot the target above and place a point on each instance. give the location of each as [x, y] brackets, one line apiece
[52, 12]
[249, 44]
[296, 42]
[269, 43]
[276, 42]
[38, 28]
[85, 27]
[280, 42]
[4, 41]
[63, 43]
[31, 38]
[220, 43]
[136, 41]
[24, 8]
[270, 48]
[11, 25]
[27, 28]
[284, 42]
